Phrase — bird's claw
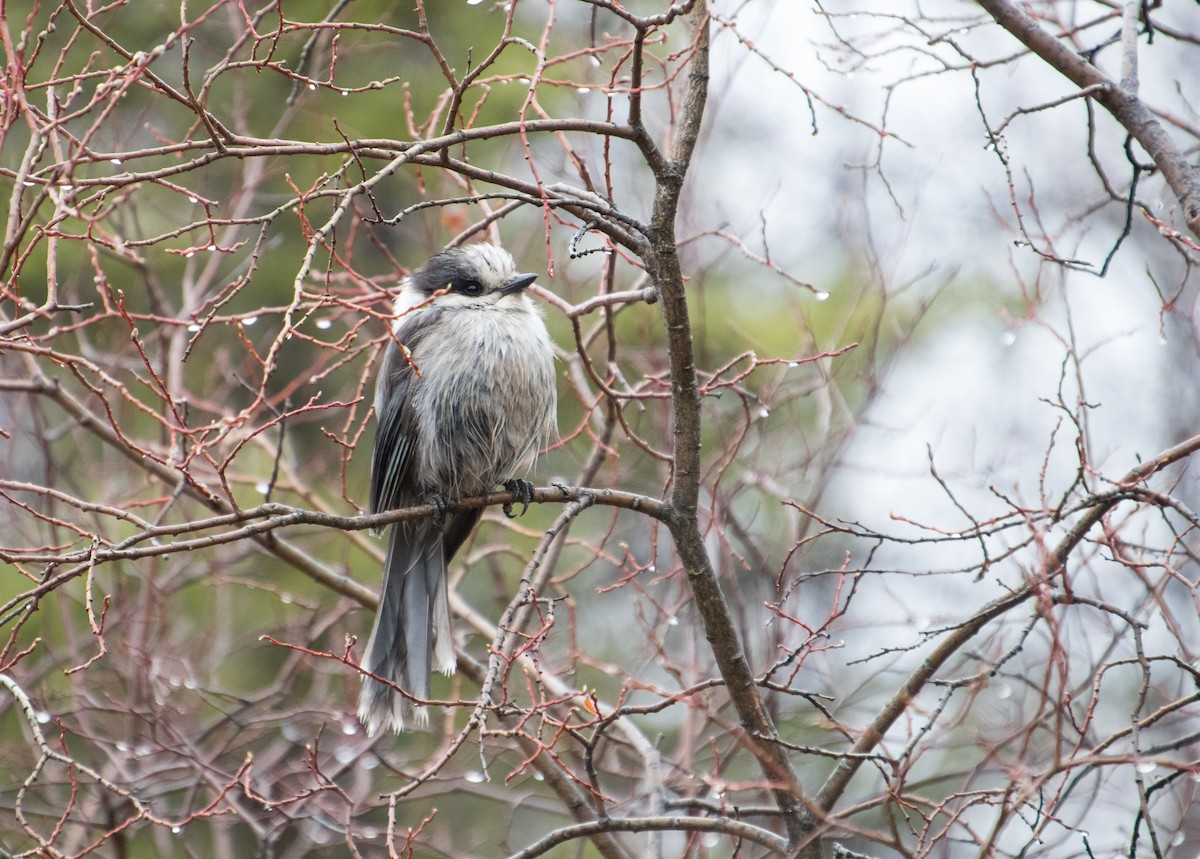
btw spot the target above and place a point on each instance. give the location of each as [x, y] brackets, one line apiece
[522, 491]
[440, 505]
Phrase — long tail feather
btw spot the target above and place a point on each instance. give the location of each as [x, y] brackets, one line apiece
[402, 640]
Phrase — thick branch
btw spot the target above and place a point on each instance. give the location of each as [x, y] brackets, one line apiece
[1121, 101]
[664, 268]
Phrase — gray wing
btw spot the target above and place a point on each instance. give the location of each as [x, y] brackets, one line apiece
[412, 625]
[392, 483]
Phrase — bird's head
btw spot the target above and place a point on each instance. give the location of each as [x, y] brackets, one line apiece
[474, 275]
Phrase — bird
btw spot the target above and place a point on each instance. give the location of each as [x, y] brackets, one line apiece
[465, 399]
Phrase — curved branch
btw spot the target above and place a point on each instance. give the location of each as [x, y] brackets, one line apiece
[1054, 565]
[1120, 100]
[733, 828]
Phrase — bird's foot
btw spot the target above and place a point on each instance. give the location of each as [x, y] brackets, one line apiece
[522, 491]
[440, 505]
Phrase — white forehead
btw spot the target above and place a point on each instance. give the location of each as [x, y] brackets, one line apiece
[493, 263]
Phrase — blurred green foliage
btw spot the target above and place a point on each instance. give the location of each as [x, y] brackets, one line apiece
[189, 675]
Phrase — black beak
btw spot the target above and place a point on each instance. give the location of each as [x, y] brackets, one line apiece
[517, 283]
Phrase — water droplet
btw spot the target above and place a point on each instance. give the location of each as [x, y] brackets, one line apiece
[116, 161]
[286, 599]
[345, 755]
[1008, 338]
[349, 728]
[249, 320]
[672, 621]
[764, 412]
[43, 718]
[345, 92]
[475, 777]
[175, 830]
[193, 200]
[793, 363]
[1147, 767]
[474, 2]
[28, 184]
[189, 254]
[1004, 691]
[324, 324]
[193, 328]
[582, 90]
[262, 488]
[821, 295]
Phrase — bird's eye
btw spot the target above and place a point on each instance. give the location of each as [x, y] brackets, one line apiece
[471, 287]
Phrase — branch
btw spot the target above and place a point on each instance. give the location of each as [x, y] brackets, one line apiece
[1121, 100]
[664, 269]
[733, 828]
[1053, 566]
[276, 515]
[247, 146]
[259, 524]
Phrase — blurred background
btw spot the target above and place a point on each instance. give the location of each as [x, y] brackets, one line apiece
[941, 304]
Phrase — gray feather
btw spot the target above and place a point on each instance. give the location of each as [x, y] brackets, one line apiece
[401, 641]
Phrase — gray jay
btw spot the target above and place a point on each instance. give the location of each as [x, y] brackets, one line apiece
[465, 398]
